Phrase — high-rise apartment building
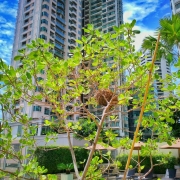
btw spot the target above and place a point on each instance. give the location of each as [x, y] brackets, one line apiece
[56, 21]
[60, 22]
[104, 14]
[163, 70]
[175, 6]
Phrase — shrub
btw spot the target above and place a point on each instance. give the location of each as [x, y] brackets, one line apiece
[171, 162]
[123, 159]
[160, 169]
[50, 157]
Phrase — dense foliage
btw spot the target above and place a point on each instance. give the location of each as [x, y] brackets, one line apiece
[93, 79]
[50, 157]
[145, 162]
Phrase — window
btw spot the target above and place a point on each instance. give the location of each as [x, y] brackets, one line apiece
[68, 108]
[25, 28]
[19, 131]
[45, 14]
[24, 36]
[43, 29]
[26, 21]
[39, 78]
[46, 1]
[70, 117]
[23, 43]
[38, 89]
[45, 6]
[177, 6]
[27, 8]
[28, 1]
[37, 108]
[42, 36]
[27, 14]
[42, 71]
[47, 111]
[44, 21]
[16, 147]
[45, 130]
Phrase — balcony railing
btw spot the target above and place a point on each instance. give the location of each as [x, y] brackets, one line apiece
[58, 46]
[59, 25]
[58, 54]
[60, 19]
[59, 39]
[59, 32]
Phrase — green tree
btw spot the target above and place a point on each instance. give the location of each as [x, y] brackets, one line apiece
[87, 128]
[94, 72]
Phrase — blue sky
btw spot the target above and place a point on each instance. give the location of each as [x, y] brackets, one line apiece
[146, 12]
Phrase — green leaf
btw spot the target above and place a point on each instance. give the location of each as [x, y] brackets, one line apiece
[16, 58]
[133, 23]
[28, 75]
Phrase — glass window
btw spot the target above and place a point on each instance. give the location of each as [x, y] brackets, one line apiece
[44, 13]
[177, 6]
[19, 131]
[44, 21]
[45, 6]
[27, 8]
[42, 36]
[36, 108]
[38, 89]
[46, 111]
[43, 29]
[16, 147]
[39, 78]
[45, 130]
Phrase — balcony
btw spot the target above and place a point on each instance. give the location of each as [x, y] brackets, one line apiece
[59, 39]
[60, 26]
[60, 33]
[60, 5]
[58, 46]
[58, 54]
[62, 1]
[60, 19]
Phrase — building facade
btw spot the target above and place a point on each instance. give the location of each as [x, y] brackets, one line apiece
[57, 22]
[104, 14]
[60, 22]
[163, 70]
[175, 6]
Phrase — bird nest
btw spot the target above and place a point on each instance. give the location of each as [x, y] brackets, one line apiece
[104, 96]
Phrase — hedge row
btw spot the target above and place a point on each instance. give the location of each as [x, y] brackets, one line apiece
[50, 157]
[160, 169]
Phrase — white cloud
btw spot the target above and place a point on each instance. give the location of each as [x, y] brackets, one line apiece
[139, 10]
[8, 11]
[139, 37]
[9, 8]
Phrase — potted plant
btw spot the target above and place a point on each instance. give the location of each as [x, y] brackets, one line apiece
[170, 166]
[67, 168]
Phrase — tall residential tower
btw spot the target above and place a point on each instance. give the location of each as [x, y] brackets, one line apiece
[175, 6]
[56, 21]
[104, 14]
